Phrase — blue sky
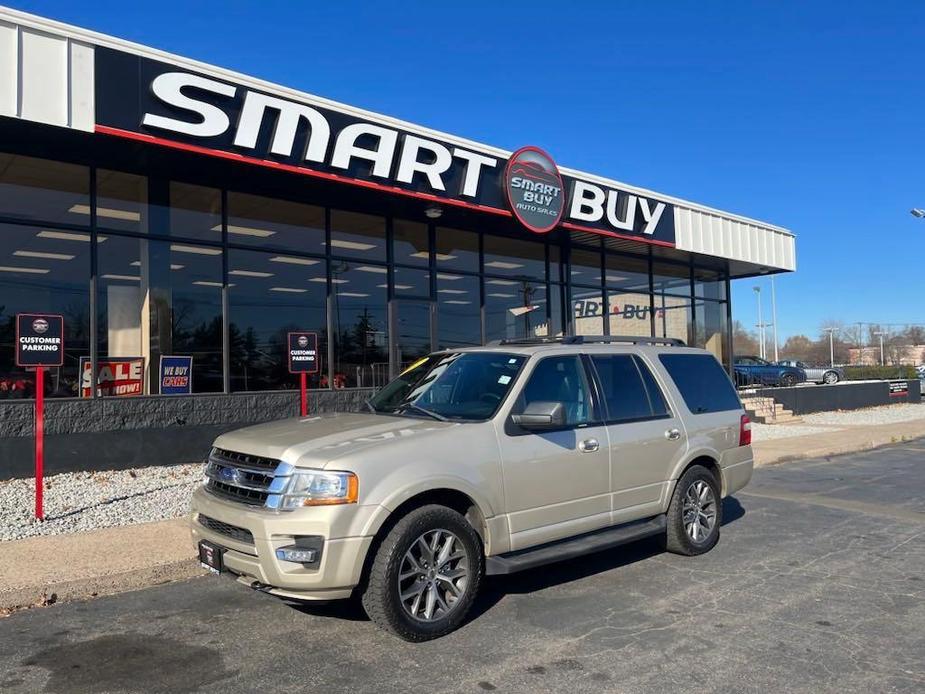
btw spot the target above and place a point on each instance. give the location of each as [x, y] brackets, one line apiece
[807, 115]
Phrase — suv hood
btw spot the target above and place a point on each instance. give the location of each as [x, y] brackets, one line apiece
[316, 440]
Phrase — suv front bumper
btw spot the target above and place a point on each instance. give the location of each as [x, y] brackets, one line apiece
[253, 559]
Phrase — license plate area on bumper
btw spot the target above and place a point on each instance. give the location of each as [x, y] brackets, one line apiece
[211, 556]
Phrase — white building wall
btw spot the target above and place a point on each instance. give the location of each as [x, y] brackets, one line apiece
[45, 78]
[727, 237]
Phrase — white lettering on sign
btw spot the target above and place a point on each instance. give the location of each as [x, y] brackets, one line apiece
[588, 206]
[289, 115]
[418, 155]
[39, 344]
[169, 89]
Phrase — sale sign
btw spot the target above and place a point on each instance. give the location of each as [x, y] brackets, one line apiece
[119, 376]
[176, 375]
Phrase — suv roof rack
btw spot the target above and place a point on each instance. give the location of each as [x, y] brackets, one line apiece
[590, 339]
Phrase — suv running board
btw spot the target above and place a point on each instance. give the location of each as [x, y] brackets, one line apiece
[560, 550]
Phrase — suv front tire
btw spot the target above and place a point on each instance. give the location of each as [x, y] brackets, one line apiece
[425, 574]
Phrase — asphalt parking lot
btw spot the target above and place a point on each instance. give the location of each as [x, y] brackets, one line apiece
[817, 585]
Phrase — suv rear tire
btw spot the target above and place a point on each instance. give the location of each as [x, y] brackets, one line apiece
[695, 513]
[425, 574]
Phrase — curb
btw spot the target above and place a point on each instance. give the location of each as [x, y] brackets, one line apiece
[28, 597]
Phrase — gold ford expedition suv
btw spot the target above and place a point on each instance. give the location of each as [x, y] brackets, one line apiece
[478, 461]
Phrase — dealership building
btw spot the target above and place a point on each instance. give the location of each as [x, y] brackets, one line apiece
[171, 209]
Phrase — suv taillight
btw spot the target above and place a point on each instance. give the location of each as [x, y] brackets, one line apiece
[745, 431]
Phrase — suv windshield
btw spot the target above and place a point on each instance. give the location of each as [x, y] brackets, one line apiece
[451, 385]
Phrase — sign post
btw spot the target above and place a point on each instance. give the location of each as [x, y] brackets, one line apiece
[39, 344]
[303, 360]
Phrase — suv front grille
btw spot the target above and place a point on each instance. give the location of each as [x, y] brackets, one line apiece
[244, 459]
[240, 477]
[234, 532]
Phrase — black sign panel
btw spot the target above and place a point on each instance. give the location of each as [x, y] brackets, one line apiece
[303, 353]
[39, 339]
[164, 104]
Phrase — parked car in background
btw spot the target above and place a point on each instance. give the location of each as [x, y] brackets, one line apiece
[817, 374]
[757, 371]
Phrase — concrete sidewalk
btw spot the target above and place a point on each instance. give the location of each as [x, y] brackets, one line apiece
[42, 570]
[841, 439]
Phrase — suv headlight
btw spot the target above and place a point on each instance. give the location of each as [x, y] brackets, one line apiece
[320, 488]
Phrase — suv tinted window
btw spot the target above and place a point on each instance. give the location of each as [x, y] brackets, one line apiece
[625, 390]
[559, 379]
[659, 406]
[703, 383]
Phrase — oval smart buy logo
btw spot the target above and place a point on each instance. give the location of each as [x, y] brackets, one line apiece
[534, 189]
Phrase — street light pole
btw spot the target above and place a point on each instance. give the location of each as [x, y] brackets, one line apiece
[760, 323]
[880, 334]
[831, 332]
[774, 319]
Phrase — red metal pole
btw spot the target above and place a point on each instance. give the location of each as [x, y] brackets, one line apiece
[304, 408]
[39, 440]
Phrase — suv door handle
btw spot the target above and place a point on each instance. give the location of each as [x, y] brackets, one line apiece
[672, 434]
[588, 445]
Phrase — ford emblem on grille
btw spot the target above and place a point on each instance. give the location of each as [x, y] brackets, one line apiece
[228, 474]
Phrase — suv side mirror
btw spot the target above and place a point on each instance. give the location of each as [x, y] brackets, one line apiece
[540, 415]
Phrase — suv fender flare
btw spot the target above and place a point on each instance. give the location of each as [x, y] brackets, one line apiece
[694, 455]
[423, 486]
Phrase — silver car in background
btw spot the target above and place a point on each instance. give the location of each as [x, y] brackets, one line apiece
[817, 374]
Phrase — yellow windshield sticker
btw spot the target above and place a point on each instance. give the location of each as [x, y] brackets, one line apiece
[414, 366]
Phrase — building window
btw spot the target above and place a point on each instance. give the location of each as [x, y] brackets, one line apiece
[627, 274]
[195, 212]
[254, 220]
[121, 201]
[514, 258]
[410, 282]
[585, 268]
[355, 235]
[360, 315]
[674, 317]
[410, 243]
[44, 271]
[156, 298]
[44, 190]
[668, 278]
[712, 326]
[459, 315]
[515, 309]
[457, 250]
[270, 296]
[557, 326]
[709, 284]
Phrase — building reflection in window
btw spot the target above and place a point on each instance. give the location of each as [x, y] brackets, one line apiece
[271, 295]
[360, 315]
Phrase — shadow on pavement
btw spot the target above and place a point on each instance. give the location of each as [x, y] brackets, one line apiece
[494, 588]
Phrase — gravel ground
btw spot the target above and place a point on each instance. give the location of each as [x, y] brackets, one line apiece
[888, 414]
[90, 500]
[766, 432]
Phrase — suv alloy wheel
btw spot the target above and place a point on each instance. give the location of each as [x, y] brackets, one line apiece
[695, 513]
[425, 574]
